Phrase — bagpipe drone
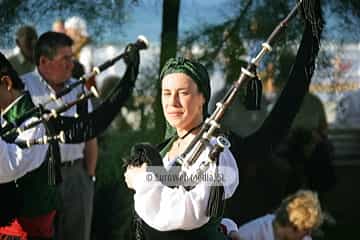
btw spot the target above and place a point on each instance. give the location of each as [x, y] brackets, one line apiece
[85, 126]
[303, 68]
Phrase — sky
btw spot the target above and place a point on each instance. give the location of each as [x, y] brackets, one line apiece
[146, 18]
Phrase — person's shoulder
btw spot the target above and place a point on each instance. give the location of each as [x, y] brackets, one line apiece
[259, 228]
[13, 56]
[258, 222]
[30, 77]
[14, 59]
[32, 74]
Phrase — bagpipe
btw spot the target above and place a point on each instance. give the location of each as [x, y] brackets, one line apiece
[303, 67]
[70, 129]
[85, 126]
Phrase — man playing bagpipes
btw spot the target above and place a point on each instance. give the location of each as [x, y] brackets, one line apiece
[54, 65]
[26, 158]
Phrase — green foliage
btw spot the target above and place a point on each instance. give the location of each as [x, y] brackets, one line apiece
[114, 148]
[113, 206]
[230, 43]
[227, 44]
[344, 6]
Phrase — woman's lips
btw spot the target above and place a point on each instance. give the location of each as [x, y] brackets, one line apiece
[174, 114]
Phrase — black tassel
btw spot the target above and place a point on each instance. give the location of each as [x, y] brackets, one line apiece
[54, 171]
[53, 157]
[215, 206]
[253, 94]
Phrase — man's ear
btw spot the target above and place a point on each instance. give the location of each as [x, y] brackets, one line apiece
[7, 81]
[43, 60]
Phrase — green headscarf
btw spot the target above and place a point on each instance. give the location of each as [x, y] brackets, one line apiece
[195, 70]
[198, 74]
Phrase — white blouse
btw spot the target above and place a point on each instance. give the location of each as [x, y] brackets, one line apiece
[164, 208]
[40, 92]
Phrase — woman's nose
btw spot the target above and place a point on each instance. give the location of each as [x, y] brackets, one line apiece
[174, 99]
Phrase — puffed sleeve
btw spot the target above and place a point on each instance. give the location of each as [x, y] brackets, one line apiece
[15, 162]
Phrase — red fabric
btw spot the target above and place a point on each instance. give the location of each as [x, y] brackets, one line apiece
[14, 229]
[40, 226]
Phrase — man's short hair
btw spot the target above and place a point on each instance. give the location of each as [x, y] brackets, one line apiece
[49, 43]
[7, 70]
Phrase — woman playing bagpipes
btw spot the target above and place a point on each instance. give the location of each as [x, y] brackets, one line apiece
[168, 212]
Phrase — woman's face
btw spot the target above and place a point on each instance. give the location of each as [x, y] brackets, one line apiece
[181, 101]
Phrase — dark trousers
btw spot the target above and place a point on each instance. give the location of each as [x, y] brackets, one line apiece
[73, 219]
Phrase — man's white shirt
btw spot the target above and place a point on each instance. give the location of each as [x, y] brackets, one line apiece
[40, 92]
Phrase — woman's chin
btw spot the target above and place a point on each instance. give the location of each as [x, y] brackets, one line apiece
[176, 123]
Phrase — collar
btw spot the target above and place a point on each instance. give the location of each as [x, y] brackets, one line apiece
[18, 108]
[47, 85]
[8, 108]
[44, 82]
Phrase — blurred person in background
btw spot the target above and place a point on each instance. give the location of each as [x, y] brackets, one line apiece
[23, 60]
[58, 26]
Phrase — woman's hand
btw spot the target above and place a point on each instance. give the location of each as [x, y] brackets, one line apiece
[132, 173]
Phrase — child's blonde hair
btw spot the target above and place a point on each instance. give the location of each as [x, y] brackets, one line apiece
[301, 210]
